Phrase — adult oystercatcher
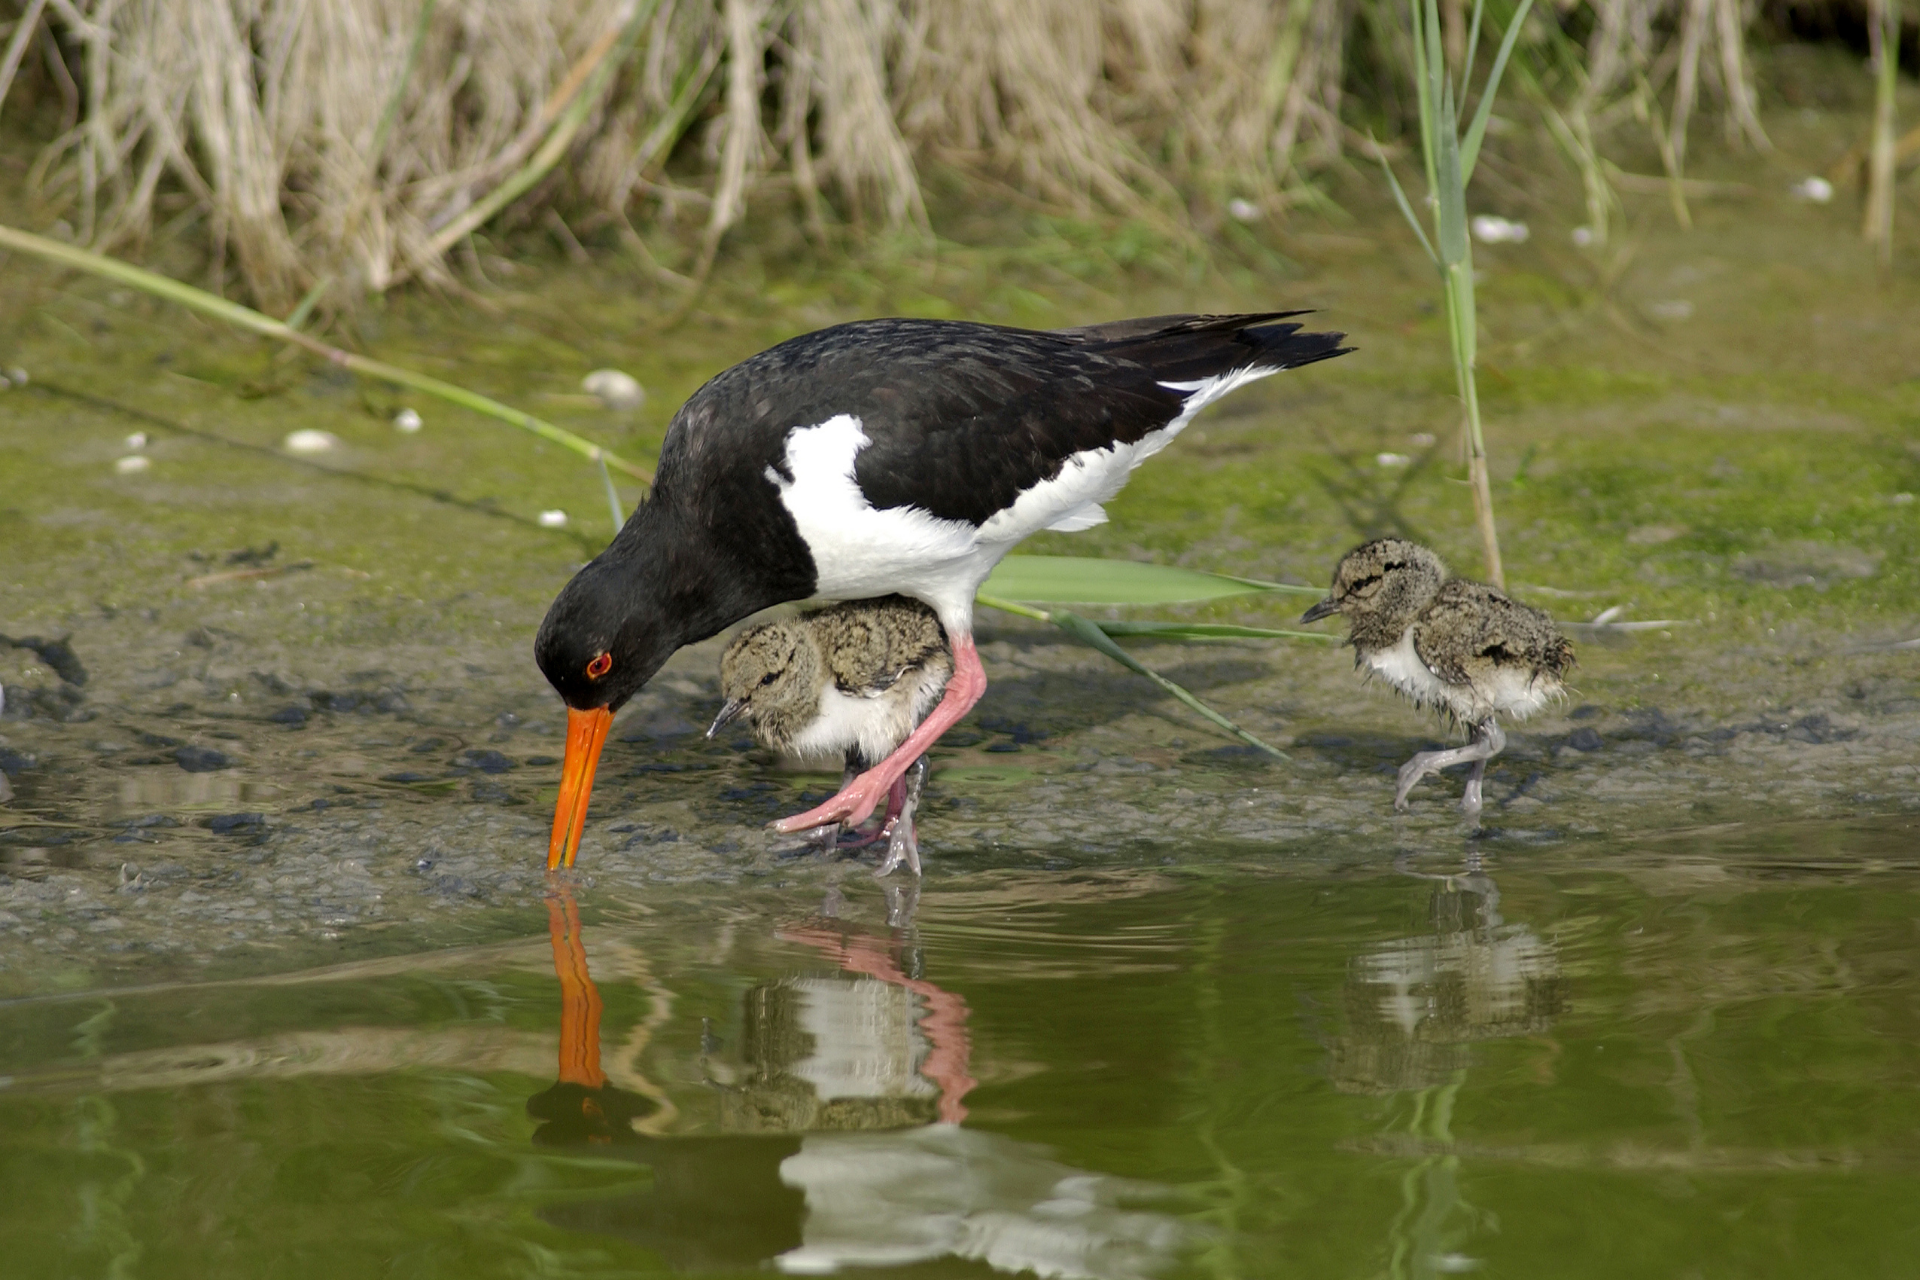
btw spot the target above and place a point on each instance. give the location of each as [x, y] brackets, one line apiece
[1460, 646]
[875, 458]
[852, 682]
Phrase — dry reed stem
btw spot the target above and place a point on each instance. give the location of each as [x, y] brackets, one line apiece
[24, 29]
[357, 141]
[1883, 28]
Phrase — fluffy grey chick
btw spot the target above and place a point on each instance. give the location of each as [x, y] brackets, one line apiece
[1460, 646]
[852, 681]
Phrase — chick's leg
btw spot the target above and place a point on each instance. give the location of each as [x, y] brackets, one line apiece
[903, 841]
[1486, 743]
[1496, 741]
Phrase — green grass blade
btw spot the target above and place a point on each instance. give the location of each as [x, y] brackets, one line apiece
[1092, 636]
[1086, 580]
[1210, 631]
[1406, 207]
[1470, 145]
[613, 498]
[98, 264]
[1473, 48]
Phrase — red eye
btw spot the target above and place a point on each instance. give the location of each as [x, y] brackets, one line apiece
[600, 666]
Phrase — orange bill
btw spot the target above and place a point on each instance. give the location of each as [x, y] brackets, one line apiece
[586, 733]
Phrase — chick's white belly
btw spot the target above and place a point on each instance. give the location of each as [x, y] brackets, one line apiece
[875, 723]
[1401, 667]
[1509, 691]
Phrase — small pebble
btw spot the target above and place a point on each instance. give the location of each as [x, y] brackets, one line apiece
[1243, 210]
[310, 441]
[137, 441]
[132, 464]
[1392, 459]
[18, 377]
[1583, 237]
[554, 519]
[1490, 229]
[1813, 190]
[616, 390]
[407, 420]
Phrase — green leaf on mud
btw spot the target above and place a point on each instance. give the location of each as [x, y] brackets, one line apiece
[1090, 634]
[1087, 580]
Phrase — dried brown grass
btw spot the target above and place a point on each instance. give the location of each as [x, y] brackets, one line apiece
[352, 144]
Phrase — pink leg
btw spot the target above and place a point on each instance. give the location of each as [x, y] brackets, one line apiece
[858, 799]
[857, 839]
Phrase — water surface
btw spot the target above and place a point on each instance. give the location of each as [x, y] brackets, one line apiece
[1683, 1056]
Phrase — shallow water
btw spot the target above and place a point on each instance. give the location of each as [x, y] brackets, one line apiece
[1394, 1060]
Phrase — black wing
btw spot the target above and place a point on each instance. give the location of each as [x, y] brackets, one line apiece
[964, 417]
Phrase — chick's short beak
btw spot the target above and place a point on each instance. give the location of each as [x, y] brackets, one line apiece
[1326, 608]
[735, 708]
[586, 734]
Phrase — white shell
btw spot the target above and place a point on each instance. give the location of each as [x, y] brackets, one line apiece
[407, 420]
[1491, 229]
[553, 518]
[310, 441]
[132, 464]
[615, 389]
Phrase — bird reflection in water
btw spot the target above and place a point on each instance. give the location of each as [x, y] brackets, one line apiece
[839, 1140]
[581, 1106]
[1414, 1008]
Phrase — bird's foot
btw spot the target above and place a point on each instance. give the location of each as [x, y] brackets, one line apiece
[1487, 741]
[852, 805]
[1410, 774]
[903, 845]
[862, 796]
[1470, 799]
[850, 839]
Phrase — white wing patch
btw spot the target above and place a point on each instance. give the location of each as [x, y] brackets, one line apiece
[1087, 517]
[860, 550]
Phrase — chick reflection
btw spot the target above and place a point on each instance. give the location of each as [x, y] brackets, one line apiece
[1414, 1005]
[840, 1143]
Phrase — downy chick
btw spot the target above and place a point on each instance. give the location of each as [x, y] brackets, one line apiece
[853, 681]
[1463, 647]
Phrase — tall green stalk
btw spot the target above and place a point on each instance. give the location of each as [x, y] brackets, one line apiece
[1450, 157]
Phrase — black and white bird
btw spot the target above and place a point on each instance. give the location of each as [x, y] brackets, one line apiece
[877, 458]
[1462, 647]
[850, 682]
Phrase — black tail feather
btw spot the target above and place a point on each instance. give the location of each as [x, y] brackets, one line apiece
[1181, 348]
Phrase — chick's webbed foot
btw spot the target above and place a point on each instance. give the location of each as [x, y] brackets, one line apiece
[903, 838]
[1487, 742]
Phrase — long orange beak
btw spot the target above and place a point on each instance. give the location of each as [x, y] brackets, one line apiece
[586, 734]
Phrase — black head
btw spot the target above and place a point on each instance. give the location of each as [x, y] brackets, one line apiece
[604, 637]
